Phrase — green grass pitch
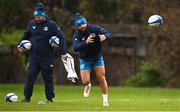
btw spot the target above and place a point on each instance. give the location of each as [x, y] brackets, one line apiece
[69, 98]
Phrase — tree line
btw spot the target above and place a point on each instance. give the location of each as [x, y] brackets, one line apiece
[163, 43]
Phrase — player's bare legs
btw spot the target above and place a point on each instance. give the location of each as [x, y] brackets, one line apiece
[100, 73]
[85, 76]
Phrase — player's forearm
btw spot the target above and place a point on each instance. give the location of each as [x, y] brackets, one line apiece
[106, 33]
[62, 42]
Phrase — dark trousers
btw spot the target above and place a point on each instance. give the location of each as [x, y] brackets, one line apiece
[45, 65]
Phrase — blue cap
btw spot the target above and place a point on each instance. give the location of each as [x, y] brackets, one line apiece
[39, 10]
[79, 20]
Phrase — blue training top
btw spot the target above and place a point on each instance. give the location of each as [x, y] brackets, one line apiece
[89, 51]
[40, 33]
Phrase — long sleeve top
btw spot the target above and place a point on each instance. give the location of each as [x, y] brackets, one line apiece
[89, 51]
[40, 33]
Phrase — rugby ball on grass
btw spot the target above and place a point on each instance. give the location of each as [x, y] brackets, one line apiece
[11, 97]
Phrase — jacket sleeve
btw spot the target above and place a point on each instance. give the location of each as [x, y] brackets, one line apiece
[103, 31]
[77, 43]
[62, 40]
[27, 34]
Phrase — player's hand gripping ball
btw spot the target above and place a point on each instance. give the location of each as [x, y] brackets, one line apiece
[25, 45]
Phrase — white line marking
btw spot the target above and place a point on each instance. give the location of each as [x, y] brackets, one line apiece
[117, 100]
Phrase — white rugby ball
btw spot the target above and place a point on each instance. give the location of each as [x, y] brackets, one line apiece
[11, 97]
[54, 41]
[155, 20]
[25, 45]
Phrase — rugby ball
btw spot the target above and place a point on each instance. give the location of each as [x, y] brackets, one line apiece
[11, 97]
[25, 45]
[155, 20]
[54, 41]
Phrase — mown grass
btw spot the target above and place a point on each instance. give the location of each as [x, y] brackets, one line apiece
[69, 98]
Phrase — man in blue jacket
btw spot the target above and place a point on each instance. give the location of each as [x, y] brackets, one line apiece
[41, 54]
[87, 40]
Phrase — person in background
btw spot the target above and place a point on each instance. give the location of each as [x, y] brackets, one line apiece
[87, 41]
[41, 55]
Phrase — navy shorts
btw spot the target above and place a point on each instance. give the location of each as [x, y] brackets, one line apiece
[87, 65]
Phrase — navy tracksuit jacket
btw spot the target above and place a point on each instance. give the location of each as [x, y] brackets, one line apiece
[91, 51]
[41, 54]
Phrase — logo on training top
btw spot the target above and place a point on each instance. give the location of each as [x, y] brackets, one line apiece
[34, 27]
[83, 38]
[51, 66]
[45, 28]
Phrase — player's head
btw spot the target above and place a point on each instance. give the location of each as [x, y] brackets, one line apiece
[80, 22]
[39, 13]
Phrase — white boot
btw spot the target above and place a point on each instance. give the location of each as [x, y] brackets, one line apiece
[105, 100]
[87, 90]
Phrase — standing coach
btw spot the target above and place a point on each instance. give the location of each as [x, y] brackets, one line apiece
[41, 54]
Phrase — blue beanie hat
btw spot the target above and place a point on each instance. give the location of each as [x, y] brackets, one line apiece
[39, 10]
[79, 20]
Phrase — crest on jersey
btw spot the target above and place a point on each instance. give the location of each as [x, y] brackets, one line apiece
[34, 27]
[45, 28]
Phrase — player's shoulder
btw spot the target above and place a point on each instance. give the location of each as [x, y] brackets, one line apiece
[94, 26]
[50, 21]
[76, 32]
